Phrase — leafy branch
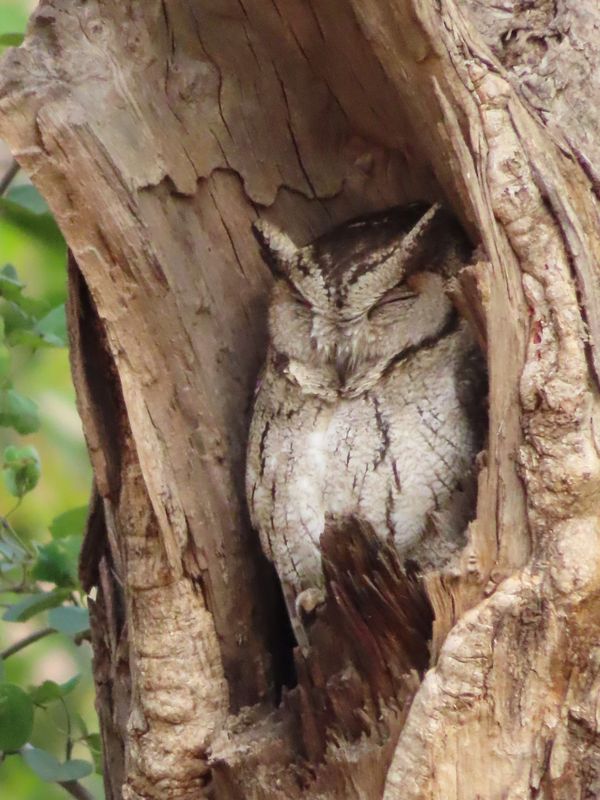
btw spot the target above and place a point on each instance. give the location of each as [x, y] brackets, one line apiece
[25, 642]
[37, 581]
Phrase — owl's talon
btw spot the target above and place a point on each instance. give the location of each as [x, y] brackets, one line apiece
[309, 600]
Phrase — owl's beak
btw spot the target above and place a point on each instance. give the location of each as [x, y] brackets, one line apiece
[342, 365]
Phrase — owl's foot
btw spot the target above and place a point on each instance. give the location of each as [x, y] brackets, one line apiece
[300, 608]
[309, 600]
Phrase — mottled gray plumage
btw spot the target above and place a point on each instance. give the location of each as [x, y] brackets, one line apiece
[365, 403]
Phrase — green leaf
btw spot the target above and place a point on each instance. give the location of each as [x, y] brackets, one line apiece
[16, 717]
[70, 523]
[18, 412]
[28, 337]
[79, 721]
[32, 604]
[52, 328]
[41, 226]
[28, 197]
[21, 469]
[15, 318]
[49, 690]
[57, 561]
[20, 313]
[49, 768]
[94, 743]
[11, 39]
[45, 693]
[10, 548]
[29, 323]
[4, 364]
[69, 619]
[10, 285]
[68, 686]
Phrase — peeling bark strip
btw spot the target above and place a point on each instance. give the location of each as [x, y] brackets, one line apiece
[158, 132]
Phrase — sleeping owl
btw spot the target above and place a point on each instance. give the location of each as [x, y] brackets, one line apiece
[365, 404]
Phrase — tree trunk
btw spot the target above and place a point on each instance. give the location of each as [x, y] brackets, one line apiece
[158, 132]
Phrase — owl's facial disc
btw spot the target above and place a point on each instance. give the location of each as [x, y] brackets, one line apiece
[345, 306]
[345, 281]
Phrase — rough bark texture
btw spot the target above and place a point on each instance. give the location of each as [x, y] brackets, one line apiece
[158, 132]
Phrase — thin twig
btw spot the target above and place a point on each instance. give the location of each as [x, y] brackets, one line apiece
[16, 506]
[76, 790]
[8, 527]
[8, 177]
[22, 643]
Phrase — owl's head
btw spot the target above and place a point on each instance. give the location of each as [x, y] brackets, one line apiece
[355, 299]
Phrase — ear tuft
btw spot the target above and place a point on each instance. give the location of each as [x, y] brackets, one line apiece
[405, 258]
[278, 250]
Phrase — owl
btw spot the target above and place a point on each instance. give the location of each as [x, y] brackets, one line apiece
[365, 406]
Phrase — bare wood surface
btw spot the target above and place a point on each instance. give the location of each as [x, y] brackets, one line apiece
[158, 132]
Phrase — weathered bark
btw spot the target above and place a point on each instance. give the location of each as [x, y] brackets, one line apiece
[158, 132]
